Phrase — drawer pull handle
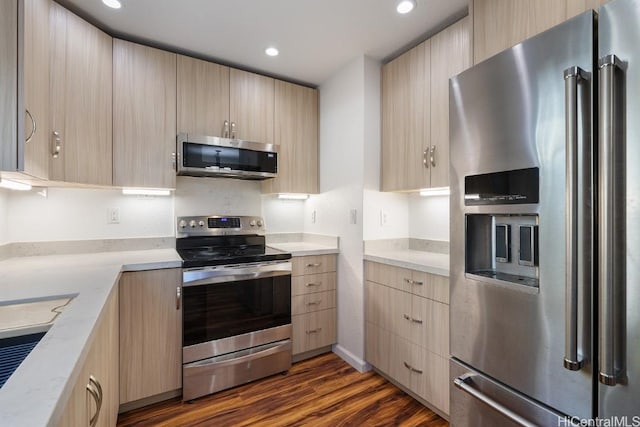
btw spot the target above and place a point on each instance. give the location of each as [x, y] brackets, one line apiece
[411, 368]
[315, 302]
[413, 282]
[414, 320]
[313, 331]
[317, 264]
[314, 284]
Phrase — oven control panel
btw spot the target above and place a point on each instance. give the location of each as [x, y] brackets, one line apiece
[218, 225]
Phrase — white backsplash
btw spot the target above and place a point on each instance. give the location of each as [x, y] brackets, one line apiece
[223, 196]
[283, 216]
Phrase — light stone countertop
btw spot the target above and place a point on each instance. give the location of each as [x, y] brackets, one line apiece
[35, 394]
[304, 248]
[429, 262]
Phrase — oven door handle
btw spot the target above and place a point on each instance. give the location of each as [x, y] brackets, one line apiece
[209, 276]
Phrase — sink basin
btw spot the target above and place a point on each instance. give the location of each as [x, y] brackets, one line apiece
[13, 351]
[23, 323]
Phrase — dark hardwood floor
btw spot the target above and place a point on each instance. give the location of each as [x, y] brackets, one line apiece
[323, 391]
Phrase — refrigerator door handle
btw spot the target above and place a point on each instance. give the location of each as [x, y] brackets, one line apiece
[573, 77]
[609, 244]
[463, 383]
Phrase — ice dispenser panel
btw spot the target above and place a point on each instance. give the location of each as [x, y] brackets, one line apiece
[502, 188]
[503, 249]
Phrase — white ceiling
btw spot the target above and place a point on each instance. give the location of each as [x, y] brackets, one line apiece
[315, 37]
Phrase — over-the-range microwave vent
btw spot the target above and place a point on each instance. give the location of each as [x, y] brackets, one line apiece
[212, 156]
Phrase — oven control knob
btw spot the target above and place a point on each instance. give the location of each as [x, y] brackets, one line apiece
[253, 223]
[182, 223]
[192, 224]
[259, 223]
[200, 223]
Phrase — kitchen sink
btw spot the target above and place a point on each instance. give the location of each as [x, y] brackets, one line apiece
[23, 323]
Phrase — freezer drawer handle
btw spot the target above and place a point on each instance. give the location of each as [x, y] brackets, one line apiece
[610, 203]
[573, 77]
[463, 382]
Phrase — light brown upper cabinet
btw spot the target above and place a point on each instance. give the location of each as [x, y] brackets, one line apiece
[450, 55]
[144, 116]
[415, 110]
[203, 97]
[36, 88]
[296, 133]
[81, 100]
[406, 120]
[251, 105]
[500, 24]
[216, 100]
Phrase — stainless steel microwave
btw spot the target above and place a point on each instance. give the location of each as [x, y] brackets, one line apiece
[223, 157]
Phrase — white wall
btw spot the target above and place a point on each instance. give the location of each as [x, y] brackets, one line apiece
[386, 215]
[81, 214]
[4, 214]
[429, 217]
[342, 146]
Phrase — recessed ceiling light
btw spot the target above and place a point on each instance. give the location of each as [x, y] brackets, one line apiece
[114, 4]
[271, 51]
[405, 6]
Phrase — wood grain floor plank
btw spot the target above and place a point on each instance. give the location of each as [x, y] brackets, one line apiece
[323, 391]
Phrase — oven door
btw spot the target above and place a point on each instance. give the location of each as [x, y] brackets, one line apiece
[229, 308]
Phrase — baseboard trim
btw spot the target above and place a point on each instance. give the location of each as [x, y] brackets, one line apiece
[353, 360]
[137, 404]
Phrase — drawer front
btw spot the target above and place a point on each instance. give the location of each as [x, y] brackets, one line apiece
[313, 330]
[430, 377]
[377, 346]
[308, 303]
[313, 264]
[416, 282]
[313, 283]
[430, 325]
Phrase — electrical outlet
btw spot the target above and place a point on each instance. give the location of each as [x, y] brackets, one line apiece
[113, 216]
[383, 218]
[313, 217]
[353, 216]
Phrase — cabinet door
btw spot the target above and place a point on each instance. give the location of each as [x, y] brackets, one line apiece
[377, 346]
[150, 334]
[81, 99]
[251, 106]
[430, 325]
[450, 55]
[203, 97]
[144, 124]
[405, 120]
[400, 304]
[36, 87]
[101, 364]
[576, 7]
[296, 133]
[400, 359]
[500, 24]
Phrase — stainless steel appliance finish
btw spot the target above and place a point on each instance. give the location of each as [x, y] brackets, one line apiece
[236, 299]
[555, 103]
[224, 157]
[222, 372]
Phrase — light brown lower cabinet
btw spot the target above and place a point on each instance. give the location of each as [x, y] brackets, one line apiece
[313, 303]
[406, 333]
[150, 334]
[94, 398]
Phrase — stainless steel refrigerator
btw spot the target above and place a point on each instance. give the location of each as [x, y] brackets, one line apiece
[545, 227]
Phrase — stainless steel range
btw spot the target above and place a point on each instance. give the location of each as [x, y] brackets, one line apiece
[236, 297]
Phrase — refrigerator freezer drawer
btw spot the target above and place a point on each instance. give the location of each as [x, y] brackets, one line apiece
[481, 402]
